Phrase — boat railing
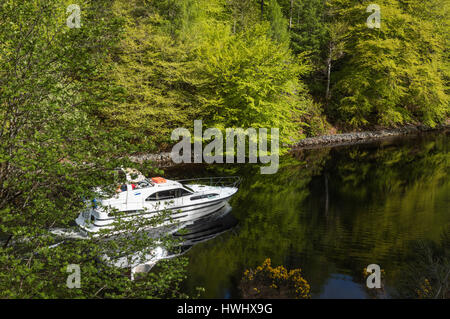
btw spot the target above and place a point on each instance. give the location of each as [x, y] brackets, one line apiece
[223, 181]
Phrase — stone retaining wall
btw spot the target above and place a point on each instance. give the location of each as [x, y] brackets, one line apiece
[164, 159]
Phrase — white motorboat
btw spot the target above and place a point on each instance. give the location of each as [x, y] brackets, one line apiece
[185, 200]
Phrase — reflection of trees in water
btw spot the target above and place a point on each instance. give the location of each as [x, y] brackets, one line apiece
[426, 273]
[385, 197]
[268, 208]
[379, 198]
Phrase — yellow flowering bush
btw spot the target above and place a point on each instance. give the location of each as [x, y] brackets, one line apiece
[274, 282]
[425, 290]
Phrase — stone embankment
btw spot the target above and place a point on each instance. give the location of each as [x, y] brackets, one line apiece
[164, 159]
[360, 137]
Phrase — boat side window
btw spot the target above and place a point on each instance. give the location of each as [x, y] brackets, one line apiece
[168, 194]
[204, 196]
[182, 192]
[162, 195]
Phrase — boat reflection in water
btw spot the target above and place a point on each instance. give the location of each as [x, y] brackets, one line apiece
[188, 235]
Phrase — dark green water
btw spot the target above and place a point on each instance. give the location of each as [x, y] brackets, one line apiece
[330, 212]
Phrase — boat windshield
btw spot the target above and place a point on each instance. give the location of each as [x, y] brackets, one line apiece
[189, 189]
[145, 183]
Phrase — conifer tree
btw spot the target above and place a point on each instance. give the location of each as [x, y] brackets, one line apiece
[278, 24]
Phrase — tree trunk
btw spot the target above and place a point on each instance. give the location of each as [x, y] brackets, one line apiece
[262, 9]
[7, 241]
[327, 95]
[290, 14]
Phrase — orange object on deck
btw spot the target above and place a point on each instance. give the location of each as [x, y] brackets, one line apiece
[158, 180]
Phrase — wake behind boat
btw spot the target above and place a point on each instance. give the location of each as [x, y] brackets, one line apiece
[186, 200]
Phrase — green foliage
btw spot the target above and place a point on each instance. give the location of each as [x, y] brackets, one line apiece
[204, 69]
[156, 77]
[228, 64]
[243, 14]
[53, 153]
[392, 75]
[278, 24]
[253, 81]
[309, 28]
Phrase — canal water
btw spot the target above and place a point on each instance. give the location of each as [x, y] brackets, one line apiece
[331, 212]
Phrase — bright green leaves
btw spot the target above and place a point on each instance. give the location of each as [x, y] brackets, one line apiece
[392, 75]
[204, 67]
[54, 151]
[252, 80]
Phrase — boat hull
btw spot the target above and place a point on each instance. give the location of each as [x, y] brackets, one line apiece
[177, 215]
